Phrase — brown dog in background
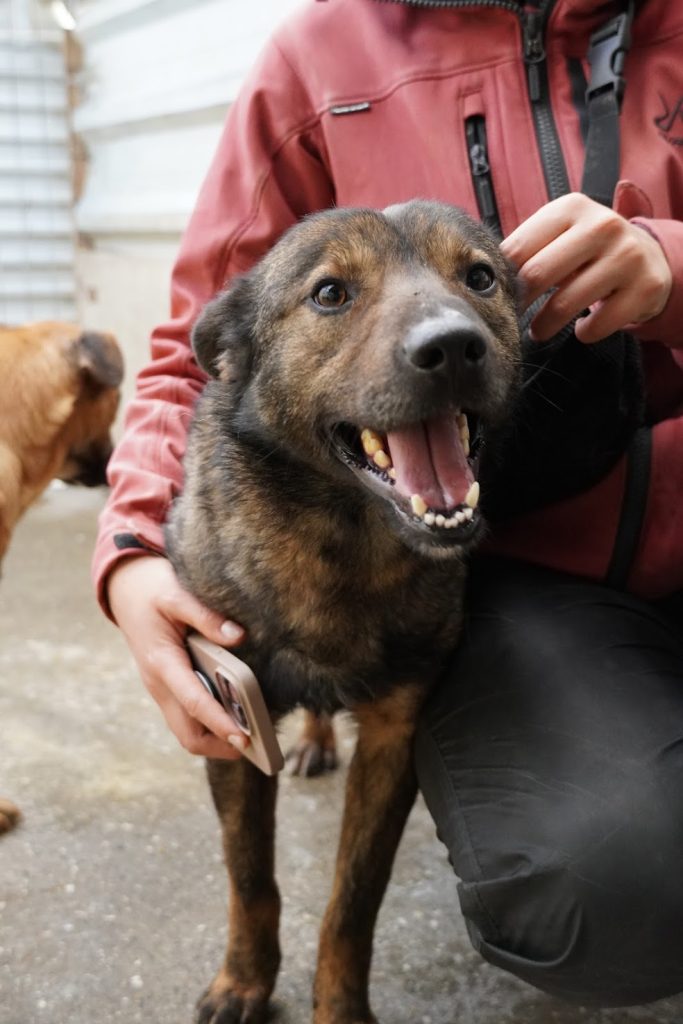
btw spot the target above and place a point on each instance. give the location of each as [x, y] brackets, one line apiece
[59, 393]
[330, 495]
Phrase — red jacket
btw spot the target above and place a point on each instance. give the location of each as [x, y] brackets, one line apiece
[365, 102]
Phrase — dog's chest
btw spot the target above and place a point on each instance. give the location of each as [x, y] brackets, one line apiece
[334, 620]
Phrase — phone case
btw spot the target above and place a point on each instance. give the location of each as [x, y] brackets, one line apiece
[235, 686]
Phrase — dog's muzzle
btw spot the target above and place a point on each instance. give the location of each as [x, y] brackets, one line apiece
[451, 346]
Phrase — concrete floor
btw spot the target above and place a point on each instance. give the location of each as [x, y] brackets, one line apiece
[112, 890]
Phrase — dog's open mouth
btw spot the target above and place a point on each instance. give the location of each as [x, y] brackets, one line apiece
[427, 469]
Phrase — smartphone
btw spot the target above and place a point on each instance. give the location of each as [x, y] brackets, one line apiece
[234, 685]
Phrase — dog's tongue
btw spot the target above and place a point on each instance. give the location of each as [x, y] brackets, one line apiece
[429, 460]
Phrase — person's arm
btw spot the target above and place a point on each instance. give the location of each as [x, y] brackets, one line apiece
[598, 259]
[267, 173]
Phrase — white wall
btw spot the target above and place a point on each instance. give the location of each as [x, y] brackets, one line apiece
[157, 80]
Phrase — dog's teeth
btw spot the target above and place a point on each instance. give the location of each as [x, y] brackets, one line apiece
[391, 472]
[472, 496]
[418, 504]
[373, 446]
[464, 431]
[371, 441]
[462, 515]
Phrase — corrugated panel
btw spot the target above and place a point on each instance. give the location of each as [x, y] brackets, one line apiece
[151, 132]
[157, 81]
[36, 221]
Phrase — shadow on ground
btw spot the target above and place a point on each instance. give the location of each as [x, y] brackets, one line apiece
[112, 891]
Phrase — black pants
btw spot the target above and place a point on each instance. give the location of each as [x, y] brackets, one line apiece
[551, 758]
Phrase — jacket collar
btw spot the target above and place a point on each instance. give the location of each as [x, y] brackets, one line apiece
[570, 18]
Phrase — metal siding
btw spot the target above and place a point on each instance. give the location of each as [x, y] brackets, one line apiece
[157, 80]
[36, 223]
[159, 76]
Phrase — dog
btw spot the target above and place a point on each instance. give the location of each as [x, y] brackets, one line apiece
[330, 497]
[59, 393]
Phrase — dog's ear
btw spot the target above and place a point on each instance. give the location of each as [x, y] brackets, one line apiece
[98, 360]
[222, 337]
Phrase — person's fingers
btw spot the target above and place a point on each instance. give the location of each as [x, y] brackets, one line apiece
[193, 737]
[592, 285]
[179, 606]
[557, 263]
[606, 317]
[170, 669]
[624, 288]
[543, 226]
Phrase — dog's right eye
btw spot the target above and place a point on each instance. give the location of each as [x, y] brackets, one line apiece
[330, 295]
[480, 278]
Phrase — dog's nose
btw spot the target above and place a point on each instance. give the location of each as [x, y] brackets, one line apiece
[448, 345]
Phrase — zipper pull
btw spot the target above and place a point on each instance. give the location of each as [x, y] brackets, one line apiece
[481, 173]
[479, 160]
[477, 149]
[534, 53]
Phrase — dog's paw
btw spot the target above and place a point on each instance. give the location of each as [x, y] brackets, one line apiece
[309, 758]
[227, 1002]
[10, 815]
[315, 750]
[348, 1020]
[338, 1017]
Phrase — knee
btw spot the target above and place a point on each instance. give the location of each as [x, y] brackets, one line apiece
[592, 911]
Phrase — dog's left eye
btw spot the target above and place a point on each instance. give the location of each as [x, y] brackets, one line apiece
[330, 295]
[480, 277]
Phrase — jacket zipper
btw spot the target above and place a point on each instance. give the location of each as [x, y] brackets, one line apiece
[554, 169]
[477, 151]
[533, 31]
[507, 5]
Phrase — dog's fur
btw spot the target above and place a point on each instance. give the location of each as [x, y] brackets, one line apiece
[59, 389]
[349, 599]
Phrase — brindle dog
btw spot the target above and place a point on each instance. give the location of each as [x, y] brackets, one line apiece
[330, 495]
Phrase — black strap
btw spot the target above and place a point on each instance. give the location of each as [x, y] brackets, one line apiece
[604, 95]
[634, 504]
[606, 55]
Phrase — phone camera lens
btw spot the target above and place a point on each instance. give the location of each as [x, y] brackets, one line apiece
[231, 702]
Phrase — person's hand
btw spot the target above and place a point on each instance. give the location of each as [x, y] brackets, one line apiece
[154, 612]
[596, 260]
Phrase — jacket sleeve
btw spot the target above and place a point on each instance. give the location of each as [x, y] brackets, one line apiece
[668, 326]
[631, 202]
[268, 171]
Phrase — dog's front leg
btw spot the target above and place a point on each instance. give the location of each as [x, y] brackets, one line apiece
[380, 792]
[245, 801]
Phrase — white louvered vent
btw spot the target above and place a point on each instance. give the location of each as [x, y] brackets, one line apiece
[36, 225]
